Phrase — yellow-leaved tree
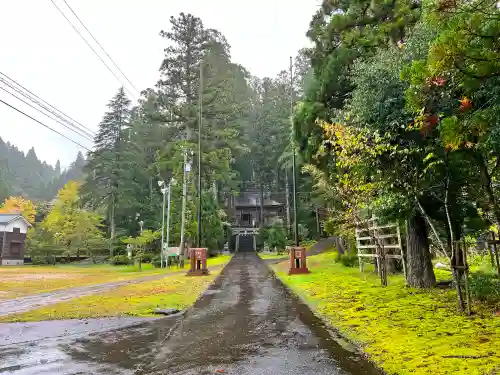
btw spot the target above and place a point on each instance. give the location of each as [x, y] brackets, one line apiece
[19, 205]
[75, 229]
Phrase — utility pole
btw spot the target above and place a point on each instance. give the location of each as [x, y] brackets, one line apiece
[168, 210]
[162, 250]
[287, 193]
[184, 197]
[200, 123]
[294, 167]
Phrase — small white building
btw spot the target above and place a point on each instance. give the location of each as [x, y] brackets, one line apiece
[13, 230]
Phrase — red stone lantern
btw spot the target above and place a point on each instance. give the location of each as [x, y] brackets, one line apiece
[198, 262]
[298, 261]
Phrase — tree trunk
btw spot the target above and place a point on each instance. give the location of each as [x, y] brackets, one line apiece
[420, 273]
[488, 186]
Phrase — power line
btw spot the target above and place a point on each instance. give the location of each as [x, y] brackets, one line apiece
[45, 114]
[68, 118]
[92, 48]
[80, 125]
[41, 123]
[102, 48]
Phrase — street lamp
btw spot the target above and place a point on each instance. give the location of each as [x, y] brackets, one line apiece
[164, 191]
[187, 169]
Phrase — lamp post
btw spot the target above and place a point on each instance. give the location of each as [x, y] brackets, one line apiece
[164, 191]
[187, 168]
[172, 182]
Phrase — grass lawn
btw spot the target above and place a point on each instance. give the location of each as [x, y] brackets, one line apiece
[403, 330]
[273, 255]
[28, 280]
[176, 291]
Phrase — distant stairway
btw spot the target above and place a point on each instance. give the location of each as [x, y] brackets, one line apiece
[246, 243]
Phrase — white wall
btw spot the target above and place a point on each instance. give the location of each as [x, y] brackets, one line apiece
[12, 262]
[19, 223]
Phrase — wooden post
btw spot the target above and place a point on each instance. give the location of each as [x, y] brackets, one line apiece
[458, 268]
[360, 252]
[198, 262]
[298, 263]
[495, 252]
[466, 278]
[403, 260]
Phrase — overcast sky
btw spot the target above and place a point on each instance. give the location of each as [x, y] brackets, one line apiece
[40, 50]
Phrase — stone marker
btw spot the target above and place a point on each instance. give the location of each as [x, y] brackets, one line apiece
[198, 262]
[298, 261]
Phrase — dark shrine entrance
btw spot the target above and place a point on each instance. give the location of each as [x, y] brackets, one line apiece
[246, 243]
[251, 210]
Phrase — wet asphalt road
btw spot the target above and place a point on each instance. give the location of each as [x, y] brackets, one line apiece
[246, 323]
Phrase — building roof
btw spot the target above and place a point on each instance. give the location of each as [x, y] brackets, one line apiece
[253, 200]
[7, 218]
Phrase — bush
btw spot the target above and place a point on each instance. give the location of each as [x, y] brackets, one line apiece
[274, 235]
[485, 287]
[147, 258]
[120, 260]
[156, 262]
[347, 259]
[43, 259]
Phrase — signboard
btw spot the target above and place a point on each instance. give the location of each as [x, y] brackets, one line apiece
[171, 251]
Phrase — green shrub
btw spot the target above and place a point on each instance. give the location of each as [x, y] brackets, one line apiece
[64, 260]
[156, 261]
[147, 258]
[120, 260]
[43, 259]
[485, 287]
[274, 235]
[347, 259]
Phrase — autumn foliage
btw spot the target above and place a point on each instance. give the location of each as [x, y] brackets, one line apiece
[19, 205]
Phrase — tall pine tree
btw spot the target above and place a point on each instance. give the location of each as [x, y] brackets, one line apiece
[110, 185]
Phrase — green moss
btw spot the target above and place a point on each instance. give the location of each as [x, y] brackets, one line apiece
[404, 330]
[273, 255]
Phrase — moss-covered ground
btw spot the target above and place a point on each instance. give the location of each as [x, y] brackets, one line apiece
[174, 291]
[403, 330]
[28, 280]
[273, 255]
